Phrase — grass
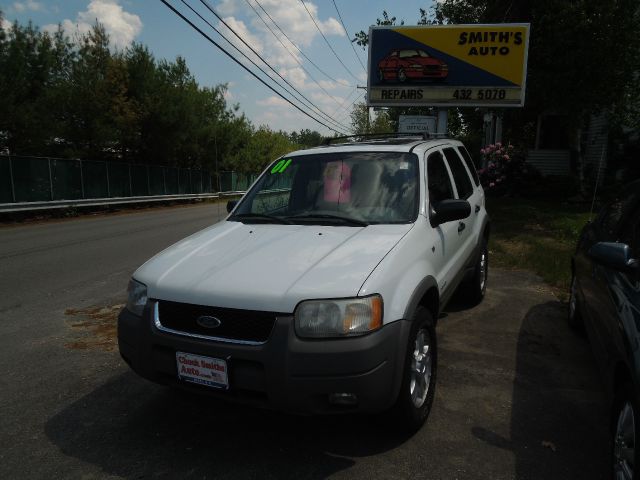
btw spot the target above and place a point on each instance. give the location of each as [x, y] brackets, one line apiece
[534, 235]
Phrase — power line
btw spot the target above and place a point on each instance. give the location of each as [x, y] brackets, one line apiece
[221, 48]
[288, 50]
[346, 112]
[298, 48]
[306, 101]
[348, 39]
[344, 100]
[327, 41]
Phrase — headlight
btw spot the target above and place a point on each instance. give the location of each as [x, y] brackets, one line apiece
[338, 318]
[137, 298]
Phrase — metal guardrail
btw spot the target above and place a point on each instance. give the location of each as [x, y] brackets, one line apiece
[96, 202]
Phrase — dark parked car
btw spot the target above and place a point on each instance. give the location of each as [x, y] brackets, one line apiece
[411, 64]
[605, 300]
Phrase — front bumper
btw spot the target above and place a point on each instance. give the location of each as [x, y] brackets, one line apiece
[285, 373]
[417, 73]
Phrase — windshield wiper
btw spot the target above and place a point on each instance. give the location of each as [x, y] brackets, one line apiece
[326, 216]
[260, 217]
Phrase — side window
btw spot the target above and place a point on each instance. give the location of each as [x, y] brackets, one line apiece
[439, 182]
[470, 165]
[611, 217]
[460, 175]
[631, 233]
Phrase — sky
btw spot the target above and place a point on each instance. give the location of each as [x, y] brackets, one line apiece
[309, 64]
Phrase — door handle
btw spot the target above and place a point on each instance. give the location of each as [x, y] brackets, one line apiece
[461, 227]
[477, 208]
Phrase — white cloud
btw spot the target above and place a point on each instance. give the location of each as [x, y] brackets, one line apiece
[292, 17]
[273, 101]
[228, 96]
[227, 7]
[5, 24]
[28, 5]
[241, 29]
[296, 76]
[123, 27]
[331, 85]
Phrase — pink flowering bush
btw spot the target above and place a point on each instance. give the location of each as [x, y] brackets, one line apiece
[503, 168]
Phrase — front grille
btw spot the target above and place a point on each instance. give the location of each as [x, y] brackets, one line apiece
[235, 324]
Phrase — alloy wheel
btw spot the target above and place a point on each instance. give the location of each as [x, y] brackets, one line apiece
[624, 443]
[483, 270]
[572, 299]
[421, 367]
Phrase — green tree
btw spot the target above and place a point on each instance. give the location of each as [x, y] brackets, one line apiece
[307, 138]
[77, 97]
[362, 121]
[32, 65]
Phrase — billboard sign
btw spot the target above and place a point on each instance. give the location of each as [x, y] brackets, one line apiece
[416, 124]
[448, 65]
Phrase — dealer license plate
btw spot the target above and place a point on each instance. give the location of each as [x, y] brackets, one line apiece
[208, 371]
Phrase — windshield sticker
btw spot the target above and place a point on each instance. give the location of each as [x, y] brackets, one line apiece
[281, 166]
[337, 182]
[404, 165]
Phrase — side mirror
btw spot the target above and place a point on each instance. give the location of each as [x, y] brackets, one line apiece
[448, 211]
[613, 255]
[231, 204]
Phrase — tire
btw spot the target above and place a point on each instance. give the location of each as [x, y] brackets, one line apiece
[381, 76]
[474, 289]
[417, 390]
[625, 431]
[574, 315]
[402, 77]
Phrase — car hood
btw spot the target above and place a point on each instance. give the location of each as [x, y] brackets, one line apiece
[268, 267]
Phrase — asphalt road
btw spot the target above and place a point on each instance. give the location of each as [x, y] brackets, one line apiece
[517, 396]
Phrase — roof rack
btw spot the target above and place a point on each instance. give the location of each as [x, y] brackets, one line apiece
[361, 137]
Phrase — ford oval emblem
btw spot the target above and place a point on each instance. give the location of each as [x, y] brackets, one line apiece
[208, 322]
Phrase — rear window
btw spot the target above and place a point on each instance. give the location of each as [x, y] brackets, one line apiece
[470, 164]
[460, 175]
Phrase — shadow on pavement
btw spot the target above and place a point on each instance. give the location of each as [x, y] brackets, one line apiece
[134, 429]
[558, 414]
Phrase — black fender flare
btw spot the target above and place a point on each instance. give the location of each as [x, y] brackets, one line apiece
[418, 293]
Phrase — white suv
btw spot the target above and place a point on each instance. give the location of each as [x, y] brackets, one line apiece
[320, 292]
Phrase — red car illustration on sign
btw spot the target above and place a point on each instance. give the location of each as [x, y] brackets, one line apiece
[411, 64]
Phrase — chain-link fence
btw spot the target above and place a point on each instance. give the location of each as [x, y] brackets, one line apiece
[235, 182]
[37, 179]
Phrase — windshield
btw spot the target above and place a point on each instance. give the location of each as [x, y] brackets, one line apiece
[413, 53]
[353, 189]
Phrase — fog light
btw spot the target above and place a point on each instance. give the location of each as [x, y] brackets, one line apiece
[343, 399]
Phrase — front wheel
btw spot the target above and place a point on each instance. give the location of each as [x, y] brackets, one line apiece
[419, 374]
[402, 76]
[625, 424]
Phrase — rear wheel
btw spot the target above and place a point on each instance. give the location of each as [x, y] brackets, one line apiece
[419, 375]
[474, 289]
[402, 76]
[625, 423]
